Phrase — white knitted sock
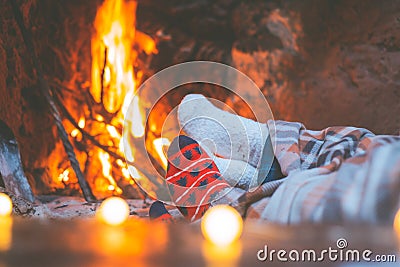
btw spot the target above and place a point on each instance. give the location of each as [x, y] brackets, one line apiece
[237, 173]
[232, 136]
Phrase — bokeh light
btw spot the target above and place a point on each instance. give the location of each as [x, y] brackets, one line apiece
[222, 225]
[113, 211]
[5, 205]
[6, 228]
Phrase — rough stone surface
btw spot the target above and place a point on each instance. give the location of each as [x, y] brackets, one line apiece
[337, 62]
[61, 33]
[322, 63]
[21, 206]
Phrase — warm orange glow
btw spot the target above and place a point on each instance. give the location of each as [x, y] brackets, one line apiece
[104, 158]
[81, 123]
[115, 46]
[74, 133]
[113, 211]
[222, 225]
[136, 241]
[64, 176]
[146, 43]
[105, 161]
[6, 233]
[113, 131]
[222, 255]
[134, 172]
[153, 127]
[120, 163]
[111, 187]
[107, 76]
[396, 224]
[126, 174]
[159, 144]
[114, 39]
[5, 205]
[99, 118]
[134, 119]
[114, 82]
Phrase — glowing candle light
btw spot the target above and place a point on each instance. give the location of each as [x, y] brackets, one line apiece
[114, 211]
[5, 205]
[222, 225]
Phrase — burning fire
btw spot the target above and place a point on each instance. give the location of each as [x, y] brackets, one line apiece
[116, 45]
[159, 143]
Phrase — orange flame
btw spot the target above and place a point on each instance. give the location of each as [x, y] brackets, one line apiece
[113, 76]
[112, 53]
[112, 67]
[113, 79]
[105, 160]
[115, 46]
[159, 144]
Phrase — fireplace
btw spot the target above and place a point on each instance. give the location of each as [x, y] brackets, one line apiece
[304, 56]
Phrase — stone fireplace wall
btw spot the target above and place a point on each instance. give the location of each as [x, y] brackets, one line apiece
[322, 63]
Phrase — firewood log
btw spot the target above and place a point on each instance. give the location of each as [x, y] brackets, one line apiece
[11, 170]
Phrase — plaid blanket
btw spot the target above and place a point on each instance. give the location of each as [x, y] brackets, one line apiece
[337, 175]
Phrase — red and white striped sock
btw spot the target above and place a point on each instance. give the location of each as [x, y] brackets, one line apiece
[193, 178]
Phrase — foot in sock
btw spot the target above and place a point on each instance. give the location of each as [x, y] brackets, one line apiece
[234, 137]
[193, 178]
[158, 212]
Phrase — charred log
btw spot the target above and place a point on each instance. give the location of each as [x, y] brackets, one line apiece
[12, 175]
